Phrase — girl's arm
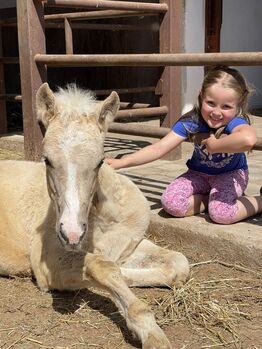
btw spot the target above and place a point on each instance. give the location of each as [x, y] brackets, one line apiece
[243, 138]
[150, 153]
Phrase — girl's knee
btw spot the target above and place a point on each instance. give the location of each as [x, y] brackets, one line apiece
[174, 206]
[222, 213]
[175, 199]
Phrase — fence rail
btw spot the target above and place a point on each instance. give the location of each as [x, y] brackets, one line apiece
[106, 4]
[151, 60]
[34, 61]
[54, 20]
[156, 132]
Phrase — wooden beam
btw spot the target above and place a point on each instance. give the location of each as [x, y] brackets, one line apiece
[213, 22]
[142, 113]
[131, 90]
[131, 105]
[107, 4]
[101, 26]
[169, 86]
[3, 116]
[31, 39]
[95, 15]
[152, 60]
[68, 37]
[138, 130]
[10, 97]
[157, 132]
[54, 20]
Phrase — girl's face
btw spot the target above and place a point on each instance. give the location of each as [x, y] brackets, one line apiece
[219, 105]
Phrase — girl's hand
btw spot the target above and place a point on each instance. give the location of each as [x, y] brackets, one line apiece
[114, 163]
[242, 138]
[210, 143]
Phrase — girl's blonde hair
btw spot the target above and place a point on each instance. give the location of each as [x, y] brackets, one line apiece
[228, 78]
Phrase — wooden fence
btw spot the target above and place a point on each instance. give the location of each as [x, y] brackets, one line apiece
[34, 61]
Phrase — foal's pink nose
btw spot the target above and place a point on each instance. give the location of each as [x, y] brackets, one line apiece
[71, 236]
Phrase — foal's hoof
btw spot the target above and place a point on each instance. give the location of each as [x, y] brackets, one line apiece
[157, 343]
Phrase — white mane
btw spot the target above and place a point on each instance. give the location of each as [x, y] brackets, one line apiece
[74, 101]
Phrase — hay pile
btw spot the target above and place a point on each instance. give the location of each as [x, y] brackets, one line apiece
[212, 308]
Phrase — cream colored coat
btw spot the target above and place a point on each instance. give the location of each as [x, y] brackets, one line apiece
[92, 229]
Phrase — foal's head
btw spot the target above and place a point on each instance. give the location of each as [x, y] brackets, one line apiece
[75, 124]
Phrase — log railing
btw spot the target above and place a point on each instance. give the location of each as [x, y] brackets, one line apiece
[151, 60]
[106, 4]
[34, 60]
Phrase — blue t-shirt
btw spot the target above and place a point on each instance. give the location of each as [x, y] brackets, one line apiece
[201, 160]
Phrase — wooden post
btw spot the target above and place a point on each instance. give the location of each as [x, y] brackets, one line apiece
[213, 19]
[68, 36]
[170, 84]
[31, 37]
[3, 117]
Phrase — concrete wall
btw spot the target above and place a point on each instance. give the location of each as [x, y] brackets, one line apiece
[241, 31]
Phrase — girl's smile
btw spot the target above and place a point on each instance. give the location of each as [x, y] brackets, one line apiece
[219, 105]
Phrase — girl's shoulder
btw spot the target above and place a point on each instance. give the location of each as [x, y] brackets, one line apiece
[194, 121]
[190, 123]
[236, 121]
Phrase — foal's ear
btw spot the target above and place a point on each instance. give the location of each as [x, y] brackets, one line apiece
[45, 104]
[108, 110]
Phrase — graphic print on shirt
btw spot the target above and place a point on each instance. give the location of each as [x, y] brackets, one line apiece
[218, 160]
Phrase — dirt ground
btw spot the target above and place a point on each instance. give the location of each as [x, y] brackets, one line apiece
[219, 307]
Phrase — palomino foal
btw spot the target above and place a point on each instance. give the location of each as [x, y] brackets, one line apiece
[72, 221]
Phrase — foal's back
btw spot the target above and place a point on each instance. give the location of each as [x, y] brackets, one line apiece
[23, 205]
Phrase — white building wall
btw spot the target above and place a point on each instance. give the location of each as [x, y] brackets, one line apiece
[242, 31]
[194, 41]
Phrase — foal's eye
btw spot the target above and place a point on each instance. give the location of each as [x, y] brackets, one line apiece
[99, 164]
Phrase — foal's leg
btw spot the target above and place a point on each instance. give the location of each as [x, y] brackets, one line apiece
[138, 316]
[151, 265]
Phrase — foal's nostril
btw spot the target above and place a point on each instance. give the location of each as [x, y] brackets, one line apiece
[63, 235]
[83, 231]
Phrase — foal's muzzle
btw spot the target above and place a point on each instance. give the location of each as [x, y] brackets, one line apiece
[72, 240]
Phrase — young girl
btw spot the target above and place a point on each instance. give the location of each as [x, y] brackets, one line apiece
[217, 171]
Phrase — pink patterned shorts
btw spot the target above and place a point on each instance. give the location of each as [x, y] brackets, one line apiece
[223, 190]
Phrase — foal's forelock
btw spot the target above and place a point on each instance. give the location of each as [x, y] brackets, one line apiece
[72, 102]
